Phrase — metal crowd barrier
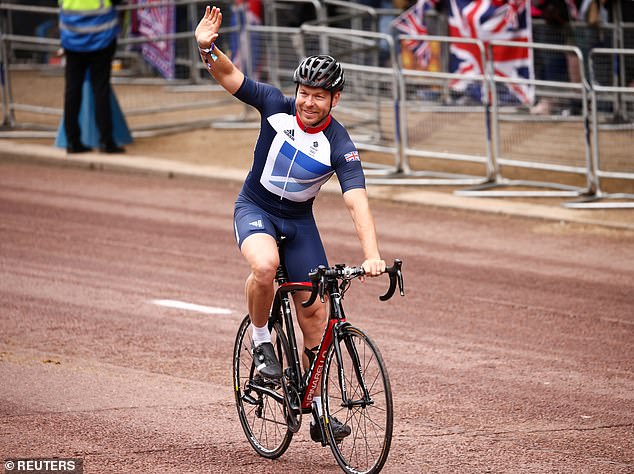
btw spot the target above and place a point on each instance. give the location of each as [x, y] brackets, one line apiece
[271, 64]
[439, 123]
[550, 143]
[612, 132]
[369, 107]
[276, 61]
[152, 104]
[417, 123]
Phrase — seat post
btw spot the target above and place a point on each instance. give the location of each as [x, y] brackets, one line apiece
[281, 275]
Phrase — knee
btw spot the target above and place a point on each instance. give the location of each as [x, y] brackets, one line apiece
[263, 270]
[313, 316]
[313, 312]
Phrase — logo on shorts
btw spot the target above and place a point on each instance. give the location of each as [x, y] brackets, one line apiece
[257, 223]
[290, 134]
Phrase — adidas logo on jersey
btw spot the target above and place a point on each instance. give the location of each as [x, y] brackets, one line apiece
[257, 224]
[290, 134]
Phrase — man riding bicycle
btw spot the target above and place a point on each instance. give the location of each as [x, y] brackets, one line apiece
[299, 147]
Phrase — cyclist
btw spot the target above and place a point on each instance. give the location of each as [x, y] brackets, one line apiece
[299, 147]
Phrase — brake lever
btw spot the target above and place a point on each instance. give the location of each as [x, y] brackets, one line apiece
[316, 279]
[322, 285]
[399, 277]
[396, 278]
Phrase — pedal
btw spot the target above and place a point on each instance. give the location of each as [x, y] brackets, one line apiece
[259, 381]
[249, 399]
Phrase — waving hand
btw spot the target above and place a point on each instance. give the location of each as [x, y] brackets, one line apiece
[207, 30]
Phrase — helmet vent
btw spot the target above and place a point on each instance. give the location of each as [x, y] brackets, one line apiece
[321, 71]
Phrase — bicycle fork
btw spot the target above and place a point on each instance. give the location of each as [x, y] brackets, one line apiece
[346, 401]
[356, 365]
[340, 327]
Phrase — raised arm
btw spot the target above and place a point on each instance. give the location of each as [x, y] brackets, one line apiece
[357, 202]
[218, 64]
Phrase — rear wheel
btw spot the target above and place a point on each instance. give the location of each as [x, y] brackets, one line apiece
[260, 401]
[356, 390]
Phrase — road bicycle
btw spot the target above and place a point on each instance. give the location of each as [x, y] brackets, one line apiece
[355, 387]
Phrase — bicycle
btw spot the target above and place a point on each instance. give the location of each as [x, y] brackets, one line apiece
[355, 386]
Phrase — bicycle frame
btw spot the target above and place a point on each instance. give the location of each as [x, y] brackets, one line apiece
[354, 417]
[308, 383]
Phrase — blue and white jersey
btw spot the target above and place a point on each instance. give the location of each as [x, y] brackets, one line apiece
[291, 162]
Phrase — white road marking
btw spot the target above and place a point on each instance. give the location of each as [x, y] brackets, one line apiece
[614, 320]
[191, 307]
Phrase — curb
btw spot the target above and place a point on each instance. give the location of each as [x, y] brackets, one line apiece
[10, 150]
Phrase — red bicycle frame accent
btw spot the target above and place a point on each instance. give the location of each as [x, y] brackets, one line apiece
[318, 368]
[318, 365]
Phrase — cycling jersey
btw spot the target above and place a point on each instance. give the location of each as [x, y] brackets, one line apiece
[291, 162]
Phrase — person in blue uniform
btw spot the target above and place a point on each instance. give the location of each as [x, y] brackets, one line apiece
[300, 146]
[88, 30]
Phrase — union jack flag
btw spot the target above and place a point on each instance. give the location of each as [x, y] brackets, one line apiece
[412, 22]
[352, 156]
[490, 20]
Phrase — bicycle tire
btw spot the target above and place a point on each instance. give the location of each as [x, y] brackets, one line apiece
[263, 419]
[367, 447]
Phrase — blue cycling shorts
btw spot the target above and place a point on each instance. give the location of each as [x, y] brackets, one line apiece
[303, 250]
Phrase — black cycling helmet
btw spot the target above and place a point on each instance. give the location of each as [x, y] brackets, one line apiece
[320, 71]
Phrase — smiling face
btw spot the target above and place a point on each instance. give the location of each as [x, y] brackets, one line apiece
[314, 104]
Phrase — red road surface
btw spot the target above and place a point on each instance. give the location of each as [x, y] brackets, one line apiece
[513, 350]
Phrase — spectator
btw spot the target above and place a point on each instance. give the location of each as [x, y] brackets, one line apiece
[553, 65]
[384, 24]
[627, 16]
[88, 31]
[596, 13]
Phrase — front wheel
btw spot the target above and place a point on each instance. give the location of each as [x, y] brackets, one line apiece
[260, 402]
[356, 390]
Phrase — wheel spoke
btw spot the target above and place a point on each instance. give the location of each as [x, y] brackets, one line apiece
[264, 422]
[370, 420]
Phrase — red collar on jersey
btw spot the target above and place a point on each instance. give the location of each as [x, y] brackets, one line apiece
[313, 129]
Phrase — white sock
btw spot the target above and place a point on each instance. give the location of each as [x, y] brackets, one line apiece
[261, 335]
[317, 400]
